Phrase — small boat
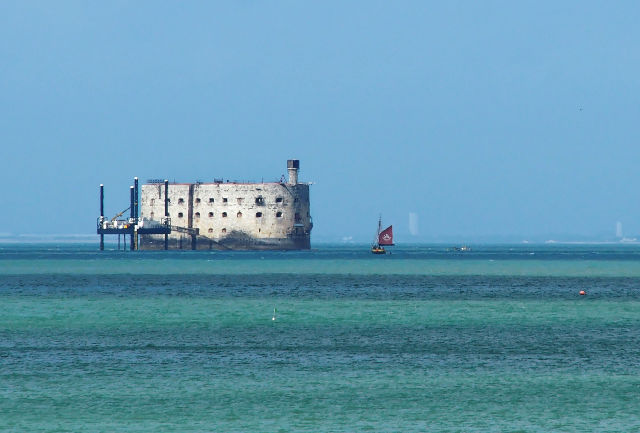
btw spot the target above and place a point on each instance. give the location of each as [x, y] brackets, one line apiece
[464, 248]
[384, 238]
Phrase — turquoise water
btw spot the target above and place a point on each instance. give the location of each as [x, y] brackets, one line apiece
[497, 339]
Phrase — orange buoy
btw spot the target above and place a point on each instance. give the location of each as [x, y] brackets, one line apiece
[582, 293]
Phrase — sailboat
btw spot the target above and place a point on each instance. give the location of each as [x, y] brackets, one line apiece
[384, 238]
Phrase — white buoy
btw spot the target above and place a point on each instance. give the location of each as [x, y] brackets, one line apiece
[274, 314]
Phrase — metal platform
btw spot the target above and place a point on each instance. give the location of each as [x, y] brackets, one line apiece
[133, 226]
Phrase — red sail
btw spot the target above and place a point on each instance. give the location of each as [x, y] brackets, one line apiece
[386, 236]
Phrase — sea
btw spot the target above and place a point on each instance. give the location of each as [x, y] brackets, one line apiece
[425, 339]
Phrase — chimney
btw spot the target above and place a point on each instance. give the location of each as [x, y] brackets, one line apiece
[293, 165]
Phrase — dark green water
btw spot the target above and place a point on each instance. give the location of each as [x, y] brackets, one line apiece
[423, 340]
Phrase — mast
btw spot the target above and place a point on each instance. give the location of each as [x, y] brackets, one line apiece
[376, 241]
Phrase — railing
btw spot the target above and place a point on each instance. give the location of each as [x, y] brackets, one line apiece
[149, 223]
[107, 224]
[188, 230]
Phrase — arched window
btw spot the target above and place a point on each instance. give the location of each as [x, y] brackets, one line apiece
[180, 214]
[210, 214]
[239, 214]
[198, 215]
[198, 200]
[278, 214]
[224, 214]
[258, 214]
[180, 200]
[210, 230]
[224, 230]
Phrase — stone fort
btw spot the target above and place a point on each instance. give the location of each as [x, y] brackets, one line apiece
[230, 215]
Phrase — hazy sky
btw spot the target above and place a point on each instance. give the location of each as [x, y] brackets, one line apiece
[483, 118]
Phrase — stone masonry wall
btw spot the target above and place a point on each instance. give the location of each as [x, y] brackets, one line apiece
[258, 210]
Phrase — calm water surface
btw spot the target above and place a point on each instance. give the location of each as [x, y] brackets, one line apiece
[496, 339]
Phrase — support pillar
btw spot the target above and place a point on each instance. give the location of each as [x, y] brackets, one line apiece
[101, 215]
[136, 213]
[136, 208]
[132, 217]
[166, 211]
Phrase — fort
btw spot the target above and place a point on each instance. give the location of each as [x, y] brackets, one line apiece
[217, 215]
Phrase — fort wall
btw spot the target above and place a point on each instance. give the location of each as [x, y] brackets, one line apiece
[229, 215]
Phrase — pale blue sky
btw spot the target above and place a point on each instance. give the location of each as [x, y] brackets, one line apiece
[485, 118]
